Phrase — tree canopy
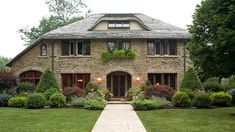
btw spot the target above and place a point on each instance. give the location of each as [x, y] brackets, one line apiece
[212, 47]
[63, 12]
[3, 62]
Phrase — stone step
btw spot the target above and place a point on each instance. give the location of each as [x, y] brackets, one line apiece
[118, 102]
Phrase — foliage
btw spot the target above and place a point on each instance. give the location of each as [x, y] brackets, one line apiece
[212, 86]
[47, 81]
[50, 92]
[3, 62]
[212, 44]
[181, 99]
[64, 12]
[162, 91]
[95, 89]
[57, 100]
[130, 54]
[149, 104]
[221, 99]
[35, 101]
[78, 102]
[91, 87]
[232, 93]
[230, 85]
[189, 92]
[107, 94]
[17, 101]
[73, 91]
[201, 101]
[26, 87]
[190, 80]
[119, 54]
[94, 104]
[106, 56]
[7, 81]
[4, 97]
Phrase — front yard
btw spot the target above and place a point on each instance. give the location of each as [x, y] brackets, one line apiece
[188, 120]
[66, 119]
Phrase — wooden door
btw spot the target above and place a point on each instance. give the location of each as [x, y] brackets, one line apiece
[119, 85]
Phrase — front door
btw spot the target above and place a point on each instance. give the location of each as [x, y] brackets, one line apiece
[119, 85]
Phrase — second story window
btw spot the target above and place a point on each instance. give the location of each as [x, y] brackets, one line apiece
[162, 47]
[119, 45]
[43, 50]
[118, 24]
[75, 48]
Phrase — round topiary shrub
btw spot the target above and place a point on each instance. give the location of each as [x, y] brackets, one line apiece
[201, 101]
[35, 101]
[181, 99]
[4, 97]
[17, 101]
[221, 99]
[57, 100]
[232, 92]
[50, 92]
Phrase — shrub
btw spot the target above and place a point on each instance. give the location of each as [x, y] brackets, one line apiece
[26, 87]
[212, 86]
[221, 99]
[36, 101]
[4, 97]
[78, 102]
[149, 104]
[119, 54]
[190, 80]
[202, 101]
[189, 92]
[17, 101]
[57, 100]
[107, 94]
[232, 93]
[91, 87]
[130, 54]
[181, 99]
[46, 82]
[106, 56]
[50, 92]
[7, 81]
[162, 91]
[94, 104]
[73, 91]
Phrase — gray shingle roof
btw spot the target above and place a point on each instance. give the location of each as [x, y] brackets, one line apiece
[82, 29]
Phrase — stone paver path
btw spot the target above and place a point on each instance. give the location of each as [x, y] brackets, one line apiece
[118, 118]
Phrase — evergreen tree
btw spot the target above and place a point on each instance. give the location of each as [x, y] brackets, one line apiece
[190, 80]
[46, 82]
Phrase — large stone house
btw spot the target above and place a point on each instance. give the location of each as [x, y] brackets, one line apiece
[73, 53]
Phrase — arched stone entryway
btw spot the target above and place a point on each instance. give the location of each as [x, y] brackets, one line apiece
[118, 83]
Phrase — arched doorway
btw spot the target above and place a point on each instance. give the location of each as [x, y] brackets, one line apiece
[118, 83]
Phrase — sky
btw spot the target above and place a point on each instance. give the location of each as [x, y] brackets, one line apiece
[17, 14]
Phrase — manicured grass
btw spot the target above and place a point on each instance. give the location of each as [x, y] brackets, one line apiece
[67, 120]
[189, 120]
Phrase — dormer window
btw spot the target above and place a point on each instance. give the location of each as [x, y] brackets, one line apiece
[118, 24]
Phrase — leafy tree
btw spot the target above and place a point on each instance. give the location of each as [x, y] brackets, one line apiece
[3, 62]
[64, 12]
[190, 80]
[47, 82]
[212, 47]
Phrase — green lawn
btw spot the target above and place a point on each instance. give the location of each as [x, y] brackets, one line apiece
[189, 120]
[28, 120]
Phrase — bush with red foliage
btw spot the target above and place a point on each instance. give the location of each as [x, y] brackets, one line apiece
[73, 91]
[162, 91]
[7, 80]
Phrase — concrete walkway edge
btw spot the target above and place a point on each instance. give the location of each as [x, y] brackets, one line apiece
[118, 118]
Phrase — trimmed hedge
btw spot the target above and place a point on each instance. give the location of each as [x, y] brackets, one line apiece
[4, 97]
[36, 101]
[57, 100]
[202, 101]
[181, 99]
[17, 101]
[221, 99]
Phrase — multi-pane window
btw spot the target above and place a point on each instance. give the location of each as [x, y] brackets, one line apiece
[79, 80]
[118, 24]
[119, 45]
[30, 76]
[163, 79]
[43, 50]
[73, 48]
[162, 47]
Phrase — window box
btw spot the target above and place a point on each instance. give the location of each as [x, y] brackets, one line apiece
[117, 55]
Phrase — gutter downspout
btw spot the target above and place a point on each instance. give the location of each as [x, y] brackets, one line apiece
[185, 56]
[52, 56]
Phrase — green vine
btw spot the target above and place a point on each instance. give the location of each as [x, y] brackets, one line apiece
[118, 55]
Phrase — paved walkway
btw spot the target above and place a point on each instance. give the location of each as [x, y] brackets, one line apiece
[118, 118]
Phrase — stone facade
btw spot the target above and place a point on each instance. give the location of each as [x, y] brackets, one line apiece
[93, 64]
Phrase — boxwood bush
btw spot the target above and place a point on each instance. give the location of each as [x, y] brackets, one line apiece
[181, 99]
[149, 104]
[202, 101]
[17, 101]
[50, 92]
[221, 99]
[35, 101]
[94, 104]
[57, 100]
[4, 97]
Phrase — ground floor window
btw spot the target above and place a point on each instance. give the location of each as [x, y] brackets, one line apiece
[31, 77]
[163, 79]
[79, 80]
